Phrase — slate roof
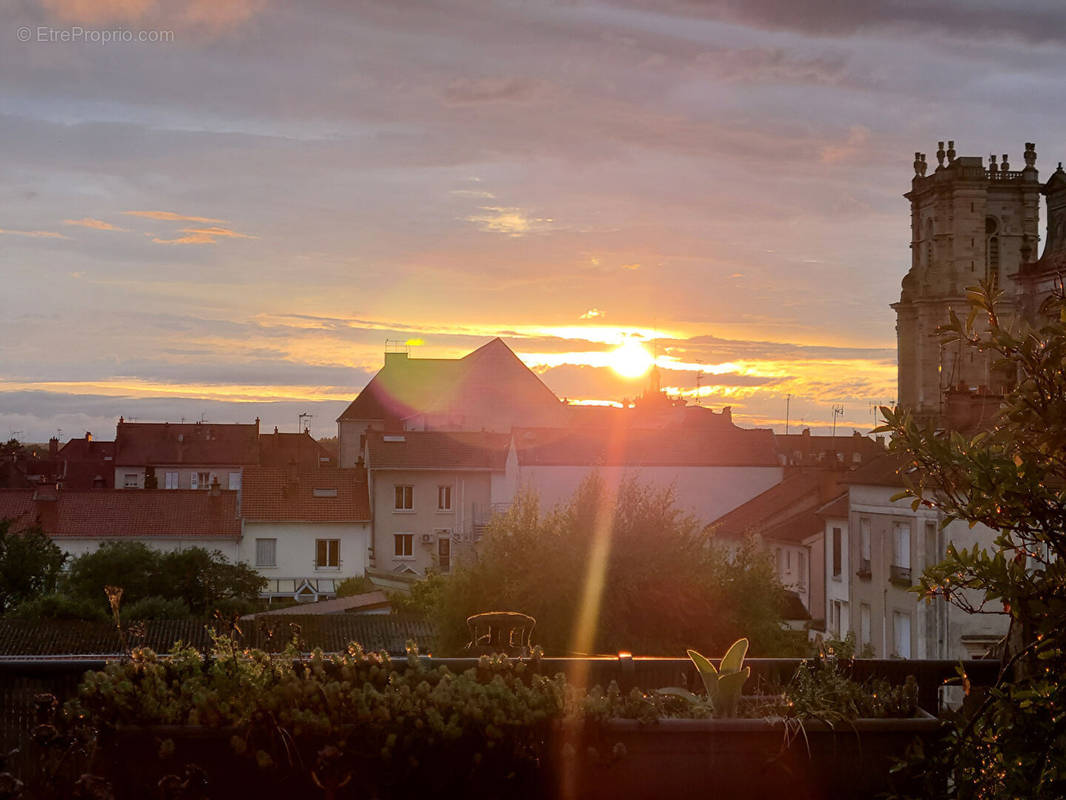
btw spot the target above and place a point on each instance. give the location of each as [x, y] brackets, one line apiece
[166, 443]
[883, 471]
[279, 494]
[784, 511]
[836, 509]
[470, 450]
[796, 528]
[333, 633]
[123, 513]
[625, 446]
[491, 376]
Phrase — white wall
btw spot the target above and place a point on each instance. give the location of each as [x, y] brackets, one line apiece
[75, 547]
[937, 629]
[469, 488]
[837, 587]
[295, 549]
[705, 492]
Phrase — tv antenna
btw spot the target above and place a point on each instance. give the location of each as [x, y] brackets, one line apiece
[838, 411]
[302, 417]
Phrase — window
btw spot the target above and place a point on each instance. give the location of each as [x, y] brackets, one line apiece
[864, 625]
[835, 619]
[327, 553]
[864, 548]
[201, 480]
[444, 553]
[266, 552]
[131, 481]
[331, 492]
[234, 481]
[405, 498]
[900, 571]
[404, 544]
[170, 480]
[901, 549]
[838, 549]
[444, 498]
[802, 568]
[901, 624]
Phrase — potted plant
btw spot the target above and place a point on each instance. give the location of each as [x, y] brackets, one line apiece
[821, 736]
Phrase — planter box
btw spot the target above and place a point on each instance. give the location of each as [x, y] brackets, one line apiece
[726, 758]
[732, 758]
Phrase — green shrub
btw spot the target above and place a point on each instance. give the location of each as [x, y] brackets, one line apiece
[59, 606]
[156, 608]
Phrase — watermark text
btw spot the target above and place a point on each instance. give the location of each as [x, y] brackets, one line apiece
[76, 34]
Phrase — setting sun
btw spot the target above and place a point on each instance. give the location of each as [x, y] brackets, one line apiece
[631, 360]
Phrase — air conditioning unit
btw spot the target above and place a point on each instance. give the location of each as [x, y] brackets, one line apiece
[427, 538]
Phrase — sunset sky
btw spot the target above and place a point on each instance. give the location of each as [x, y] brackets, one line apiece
[232, 223]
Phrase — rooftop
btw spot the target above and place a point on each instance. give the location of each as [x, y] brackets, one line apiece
[196, 443]
[326, 494]
[478, 450]
[490, 379]
[119, 514]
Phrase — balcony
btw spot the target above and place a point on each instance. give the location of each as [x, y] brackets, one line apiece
[864, 570]
[900, 576]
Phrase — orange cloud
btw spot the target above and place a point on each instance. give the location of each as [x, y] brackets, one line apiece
[95, 11]
[210, 15]
[35, 234]
[170, 216]
[203, 236]
[508, 220]
[95, 224]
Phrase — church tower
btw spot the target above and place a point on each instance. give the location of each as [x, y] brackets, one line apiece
[969, 222]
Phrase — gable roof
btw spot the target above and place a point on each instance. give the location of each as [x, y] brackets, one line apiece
[165, 443]
[475, 450]
[124, 513]
[725, 445]
[787, 510]
[491, 377]
[327, 494]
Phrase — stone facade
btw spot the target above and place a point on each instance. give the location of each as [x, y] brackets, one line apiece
[969, 222]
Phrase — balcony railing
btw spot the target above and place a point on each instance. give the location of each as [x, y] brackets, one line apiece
[864, 569]
[901, 576]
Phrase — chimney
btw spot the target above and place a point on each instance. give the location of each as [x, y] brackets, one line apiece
[727, 413]
[216, 488]
[53, 447]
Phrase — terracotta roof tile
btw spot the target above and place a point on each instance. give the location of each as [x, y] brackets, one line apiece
[124, 513]
[437, 450]
[164, 443]
[328, 494]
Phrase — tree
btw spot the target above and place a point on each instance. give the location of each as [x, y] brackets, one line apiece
[609, 572]
[202, 580]
[1011, 478]
[30, 565]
